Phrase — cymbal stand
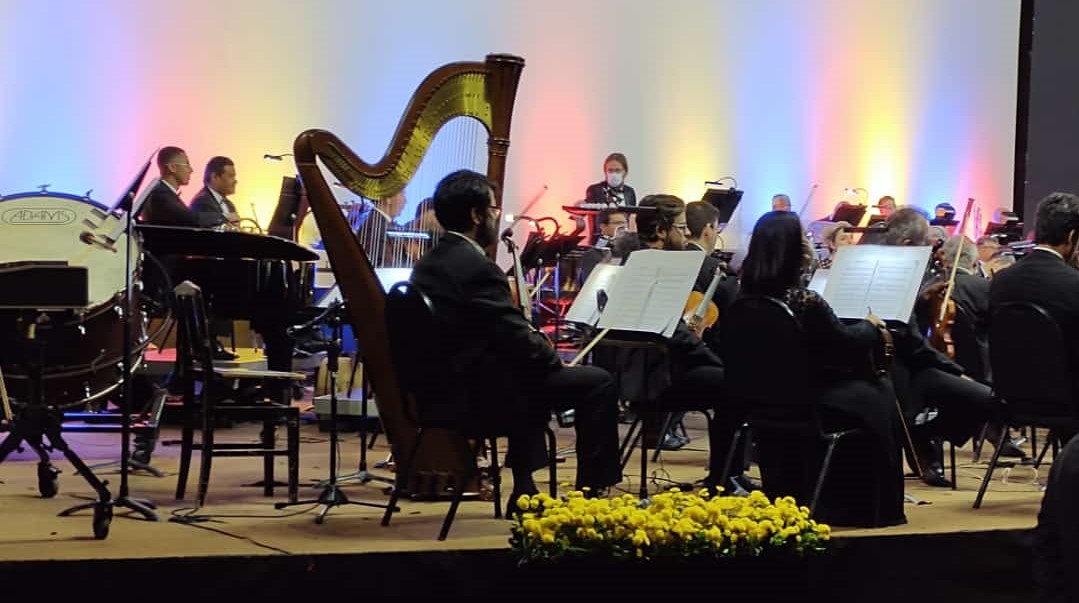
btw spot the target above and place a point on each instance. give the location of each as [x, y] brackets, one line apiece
[139, 506]
[331, 495]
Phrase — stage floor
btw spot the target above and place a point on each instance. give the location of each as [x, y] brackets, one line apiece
[243, 522]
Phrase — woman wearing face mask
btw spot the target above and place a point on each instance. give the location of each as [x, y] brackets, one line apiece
[613, 189]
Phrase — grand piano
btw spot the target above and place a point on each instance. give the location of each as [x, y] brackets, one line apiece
[265, 279]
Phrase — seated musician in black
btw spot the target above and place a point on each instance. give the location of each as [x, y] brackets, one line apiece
[690, 377]
[702, 224]
[511, 372]
[926, 379]
[372, 230]
[163, 206]
[1045, 276]
[612, 224]
[613, 190]
[865, 483]
[211, 205]
[971, 293]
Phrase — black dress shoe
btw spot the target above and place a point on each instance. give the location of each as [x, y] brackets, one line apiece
[933, 475]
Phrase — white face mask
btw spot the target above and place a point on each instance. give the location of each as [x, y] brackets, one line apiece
[614, 179]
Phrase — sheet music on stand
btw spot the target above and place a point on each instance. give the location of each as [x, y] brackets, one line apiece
[885, 279]
[651, 290]
[585, 307]
[819, 282]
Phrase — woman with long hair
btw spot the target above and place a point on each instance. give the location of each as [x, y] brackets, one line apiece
[865, 483]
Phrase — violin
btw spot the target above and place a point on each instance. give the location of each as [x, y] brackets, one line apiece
[700, 311]
[943, 308]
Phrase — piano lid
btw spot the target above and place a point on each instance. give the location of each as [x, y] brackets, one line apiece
[201, 242]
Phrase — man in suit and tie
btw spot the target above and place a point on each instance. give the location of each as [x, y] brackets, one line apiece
[211, 205]
[1043, 276]
[509, 372]
[163, 206]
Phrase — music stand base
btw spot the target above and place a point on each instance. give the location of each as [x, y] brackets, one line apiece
[363, 476]
[331, 496]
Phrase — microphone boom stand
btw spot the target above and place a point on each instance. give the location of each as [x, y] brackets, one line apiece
[332, 495]
[103, 509]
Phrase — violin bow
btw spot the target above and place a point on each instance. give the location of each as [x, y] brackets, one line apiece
[955, 260]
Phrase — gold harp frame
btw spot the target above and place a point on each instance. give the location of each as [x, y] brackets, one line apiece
[484, 91]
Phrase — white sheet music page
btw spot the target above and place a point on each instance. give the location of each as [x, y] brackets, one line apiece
[819, 281]
[651, 291]
[585, 308]
[882, 278]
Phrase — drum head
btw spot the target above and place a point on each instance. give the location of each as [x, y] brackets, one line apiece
[83, 348]
[51, 227]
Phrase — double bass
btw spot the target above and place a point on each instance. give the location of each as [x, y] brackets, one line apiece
[484, 91]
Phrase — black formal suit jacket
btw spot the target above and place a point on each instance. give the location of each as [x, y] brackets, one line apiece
[208, 211]
[971, 293]
[494, 349]
[601, 193]
[164, 208]
[1044, 279]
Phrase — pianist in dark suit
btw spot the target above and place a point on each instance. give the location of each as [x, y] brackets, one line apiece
[211, 206]
[613, 190]
[163, 206]
[509, 372]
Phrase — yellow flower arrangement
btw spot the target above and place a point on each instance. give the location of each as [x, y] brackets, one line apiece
[671, 524]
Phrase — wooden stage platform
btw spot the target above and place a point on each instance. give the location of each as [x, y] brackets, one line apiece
[247, 548]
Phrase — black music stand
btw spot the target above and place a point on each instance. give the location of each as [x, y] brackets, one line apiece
[725, 200]
[331, 495]
[539, 252]
[141, 507]
[851, 214]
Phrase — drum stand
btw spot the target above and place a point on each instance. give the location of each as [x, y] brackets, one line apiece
[105, 506]
[331, 495]
[36, 420]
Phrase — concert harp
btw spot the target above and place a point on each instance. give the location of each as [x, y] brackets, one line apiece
[483, 91]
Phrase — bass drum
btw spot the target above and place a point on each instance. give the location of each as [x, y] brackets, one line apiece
[80, 351]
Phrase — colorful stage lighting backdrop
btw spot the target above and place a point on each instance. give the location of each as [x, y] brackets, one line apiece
[910, 98]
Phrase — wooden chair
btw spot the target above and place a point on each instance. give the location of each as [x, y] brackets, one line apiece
[233, 393]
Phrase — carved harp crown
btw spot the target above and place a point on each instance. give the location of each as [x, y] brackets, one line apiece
[485, 91]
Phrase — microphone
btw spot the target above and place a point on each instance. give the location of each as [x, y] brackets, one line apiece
[333, 307]
[270, 157]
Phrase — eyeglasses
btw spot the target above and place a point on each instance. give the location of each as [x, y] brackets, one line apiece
[495, 211]
[684, 227]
